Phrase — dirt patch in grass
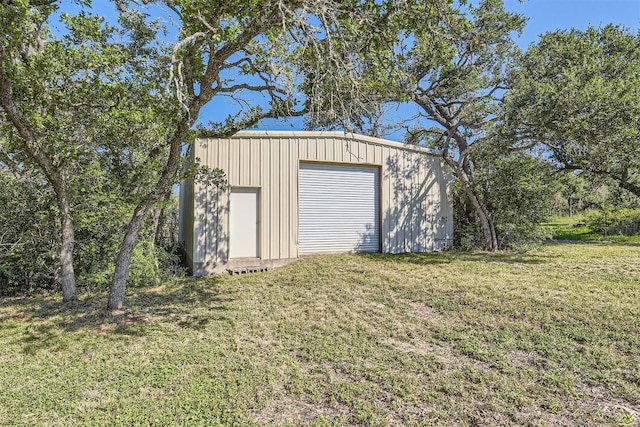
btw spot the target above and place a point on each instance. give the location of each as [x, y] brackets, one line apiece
[444, 354]
[422, 310]
[598, 398]
[524, 358]
[296, 410]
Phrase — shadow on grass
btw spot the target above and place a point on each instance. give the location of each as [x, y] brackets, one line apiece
[435, 258]
[188, 303]
[413, 258]
[597, 240]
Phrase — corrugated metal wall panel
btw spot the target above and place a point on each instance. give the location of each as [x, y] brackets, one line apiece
[284, 182]
[256, 153]
[338, 208]
[403, 189]
[265, 193]
[199, 203]
[292, 244]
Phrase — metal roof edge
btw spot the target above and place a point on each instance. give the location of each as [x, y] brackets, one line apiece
[328, 134]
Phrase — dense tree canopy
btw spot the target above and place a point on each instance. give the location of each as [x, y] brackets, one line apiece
[578, 94]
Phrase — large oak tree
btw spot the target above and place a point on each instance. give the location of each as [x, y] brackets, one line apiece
[252, 53]
[54, 92]
[577, 94]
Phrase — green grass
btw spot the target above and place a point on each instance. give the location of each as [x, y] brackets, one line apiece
[573, 228]
[547, 338]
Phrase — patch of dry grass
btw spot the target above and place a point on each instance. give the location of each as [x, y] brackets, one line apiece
[547, 338]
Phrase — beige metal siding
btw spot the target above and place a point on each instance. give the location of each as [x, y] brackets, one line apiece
[416, 213]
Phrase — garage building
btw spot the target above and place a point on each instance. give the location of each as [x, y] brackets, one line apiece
[297, 193]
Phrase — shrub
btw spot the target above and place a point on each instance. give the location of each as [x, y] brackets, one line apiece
[518, 190]
[28, 236]
[614, 221]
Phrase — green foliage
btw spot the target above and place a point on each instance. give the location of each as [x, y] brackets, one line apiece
[571, 191]
[574, 228]
[29, 239]
[145, 265]
[28, 236]
[578, 93]
[614, 221]
[204, 174]
[519, 191]
[568, 228]
[150, 265]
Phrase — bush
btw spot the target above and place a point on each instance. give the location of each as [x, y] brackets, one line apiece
[518, 190]
[28, 236]
[29, 239]
[624, 221]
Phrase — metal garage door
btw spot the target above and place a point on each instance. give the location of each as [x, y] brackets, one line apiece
[339, 208]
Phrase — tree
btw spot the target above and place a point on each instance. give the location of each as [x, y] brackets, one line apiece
[240, 51]
[86, 110]
[448, 59]
[453, 68]
[571, 186]
[577, 93]
[33, 89]
[519, 189]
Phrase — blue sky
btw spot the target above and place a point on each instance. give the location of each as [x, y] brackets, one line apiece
[550, 15]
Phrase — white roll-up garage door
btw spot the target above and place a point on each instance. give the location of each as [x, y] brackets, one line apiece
[339, 208]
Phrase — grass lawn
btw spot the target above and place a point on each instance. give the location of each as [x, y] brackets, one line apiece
[549, 338]
[573, 228]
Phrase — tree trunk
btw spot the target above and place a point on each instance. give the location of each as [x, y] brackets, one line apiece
[157, 224]
[630, 187]
[159, 221]
[67, 243]
[123, 259]
[462, 165]
[570, 200]
[488, 227]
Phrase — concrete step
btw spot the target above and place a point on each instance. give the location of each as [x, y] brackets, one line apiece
[244, 270]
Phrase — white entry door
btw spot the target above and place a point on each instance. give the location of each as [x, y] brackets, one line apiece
[243, 223]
